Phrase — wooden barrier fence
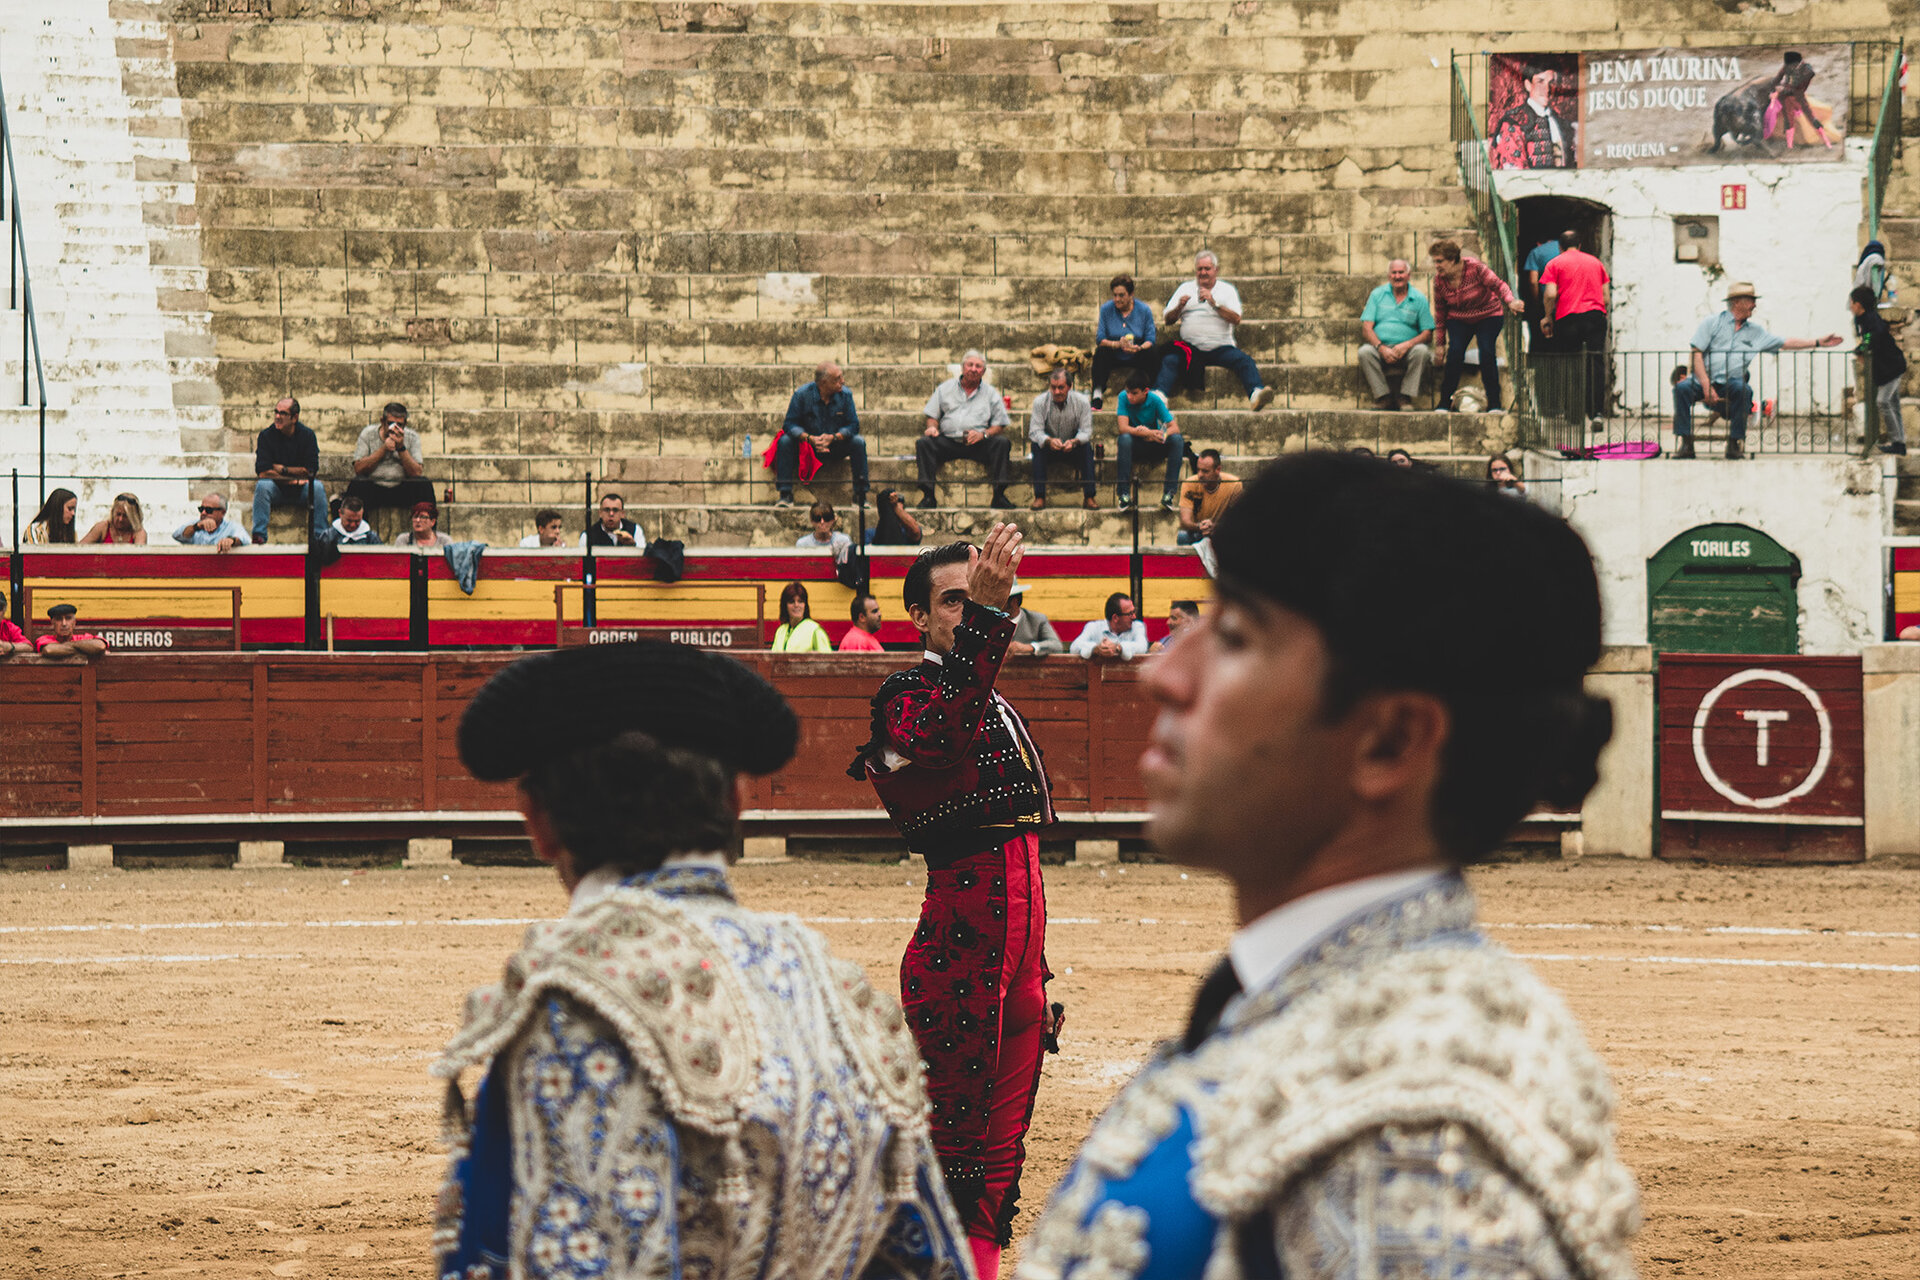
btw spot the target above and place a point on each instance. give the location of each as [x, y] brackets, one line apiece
[171, 736]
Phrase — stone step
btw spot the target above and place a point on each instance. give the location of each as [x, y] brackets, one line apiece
[380, 230]
[389, 298]
[1182, 171]
[966, 45]
[562, 482]
[799, 344]
[1213, 98]
[1415, 128]
[435, 198]
[558, 387]
[503, 445]
[900, 29]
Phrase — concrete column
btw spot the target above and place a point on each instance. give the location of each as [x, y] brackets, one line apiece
[1890, 676]
[763, 849]
[89, 857]
[1096, 853]
[261, 853]
[422, 852]
[1618, 817]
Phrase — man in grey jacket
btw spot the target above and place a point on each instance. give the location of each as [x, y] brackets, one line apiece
[1032, 633]
[1061, 428]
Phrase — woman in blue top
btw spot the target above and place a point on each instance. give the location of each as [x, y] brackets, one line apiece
[1124, 338]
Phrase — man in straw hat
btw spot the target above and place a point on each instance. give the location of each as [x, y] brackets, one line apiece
[671, 1084]
[1366, 1087]
[1723, 348]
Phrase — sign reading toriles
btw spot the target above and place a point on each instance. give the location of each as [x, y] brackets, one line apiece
[1668, 107]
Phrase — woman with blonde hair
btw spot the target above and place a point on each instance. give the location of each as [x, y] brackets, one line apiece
[798, 632]
[125, 525]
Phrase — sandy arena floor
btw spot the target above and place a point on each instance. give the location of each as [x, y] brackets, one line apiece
[222, 1073]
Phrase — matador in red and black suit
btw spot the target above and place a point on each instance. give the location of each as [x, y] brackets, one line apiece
[961, 777]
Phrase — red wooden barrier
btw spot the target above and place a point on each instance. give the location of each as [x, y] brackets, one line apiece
[1761, 758]
[173, 735]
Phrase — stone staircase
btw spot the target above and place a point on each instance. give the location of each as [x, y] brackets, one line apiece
[117, 417]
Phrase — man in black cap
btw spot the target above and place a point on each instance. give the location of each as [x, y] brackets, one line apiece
[961, 777]
[64, 641]
[1367, 1087]
[673, 1085]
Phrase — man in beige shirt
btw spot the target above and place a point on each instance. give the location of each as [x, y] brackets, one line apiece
[1205, 498]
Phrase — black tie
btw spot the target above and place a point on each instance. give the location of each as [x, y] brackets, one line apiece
[1221, 985]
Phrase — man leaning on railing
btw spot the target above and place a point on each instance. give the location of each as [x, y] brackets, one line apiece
[1723, 348]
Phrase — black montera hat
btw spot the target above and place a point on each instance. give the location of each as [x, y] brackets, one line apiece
[1432, 582]
[549, 705]
[62, 611]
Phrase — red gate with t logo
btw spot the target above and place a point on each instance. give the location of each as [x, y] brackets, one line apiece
[1761, 758]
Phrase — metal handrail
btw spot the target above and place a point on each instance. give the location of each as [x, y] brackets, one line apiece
[18, 273]
[1494, 222]
[1803, 401]
[1886, 143]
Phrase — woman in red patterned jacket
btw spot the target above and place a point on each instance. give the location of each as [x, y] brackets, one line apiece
[961, 777]
[1469, 301]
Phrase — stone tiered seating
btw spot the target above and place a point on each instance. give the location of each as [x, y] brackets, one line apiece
[614, 247]
[610, 240]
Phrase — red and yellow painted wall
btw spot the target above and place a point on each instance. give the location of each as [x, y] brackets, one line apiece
[367, 593]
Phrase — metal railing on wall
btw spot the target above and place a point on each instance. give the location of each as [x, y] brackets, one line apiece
[1494, 219]
[1886, 139]
[1801, 402]
[20, 286]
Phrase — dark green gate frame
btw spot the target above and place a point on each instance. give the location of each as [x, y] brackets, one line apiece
[1723, 588]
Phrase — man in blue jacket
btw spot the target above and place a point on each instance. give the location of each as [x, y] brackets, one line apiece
[820, 414]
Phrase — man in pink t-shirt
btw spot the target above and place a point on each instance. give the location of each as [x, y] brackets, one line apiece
[860, 637]
[1574, 298]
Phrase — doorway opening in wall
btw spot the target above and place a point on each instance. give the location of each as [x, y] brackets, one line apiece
[1571, 371]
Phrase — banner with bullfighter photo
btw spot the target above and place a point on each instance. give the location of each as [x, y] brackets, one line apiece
[1667, 107]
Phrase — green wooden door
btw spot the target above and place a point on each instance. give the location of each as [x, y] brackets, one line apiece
[1723, 588]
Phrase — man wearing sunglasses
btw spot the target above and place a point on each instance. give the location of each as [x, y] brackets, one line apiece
[213, 528]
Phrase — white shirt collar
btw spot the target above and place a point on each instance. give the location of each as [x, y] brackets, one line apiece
[1265, 949]
[603, 880]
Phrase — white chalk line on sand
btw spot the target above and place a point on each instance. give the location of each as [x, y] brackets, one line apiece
[1140, 921]
[1731, 961]
[171, 959]
[1728, 961]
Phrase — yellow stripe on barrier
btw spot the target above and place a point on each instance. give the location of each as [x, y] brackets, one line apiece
[515, 599]
[1906, 592]
[366, 598]
[132, 598]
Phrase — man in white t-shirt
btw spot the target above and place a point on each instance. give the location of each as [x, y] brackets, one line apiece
[548, 530]
[1207, 308]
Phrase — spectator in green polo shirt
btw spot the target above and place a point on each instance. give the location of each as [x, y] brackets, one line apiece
[1396, 338]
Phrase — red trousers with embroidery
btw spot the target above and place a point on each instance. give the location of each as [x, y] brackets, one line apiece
[973, 983]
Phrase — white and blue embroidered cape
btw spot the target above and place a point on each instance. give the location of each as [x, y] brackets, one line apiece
[1407, 1101]
[678, 1088]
